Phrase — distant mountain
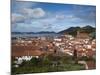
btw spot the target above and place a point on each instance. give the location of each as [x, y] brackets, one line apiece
[73, 30]
[45, 32]
[22, 32]
[42, 32]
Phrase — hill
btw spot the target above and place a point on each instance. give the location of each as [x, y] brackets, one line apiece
[73, 30]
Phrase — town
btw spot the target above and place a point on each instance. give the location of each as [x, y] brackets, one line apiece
[78, 47]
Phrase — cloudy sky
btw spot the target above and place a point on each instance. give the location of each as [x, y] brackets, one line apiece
[36, 17]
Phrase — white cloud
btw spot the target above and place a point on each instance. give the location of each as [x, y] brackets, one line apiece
[27, 14]
[17, 18]
[38, 12]
[64, 16]
[60, 17]
[33, 13]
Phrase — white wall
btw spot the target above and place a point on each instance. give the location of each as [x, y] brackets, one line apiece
[84, 2]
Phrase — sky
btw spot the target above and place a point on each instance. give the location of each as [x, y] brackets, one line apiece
[27, 16]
